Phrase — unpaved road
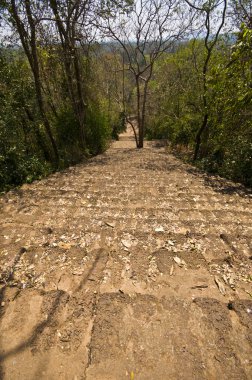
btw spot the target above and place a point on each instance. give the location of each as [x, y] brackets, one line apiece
[132, 266]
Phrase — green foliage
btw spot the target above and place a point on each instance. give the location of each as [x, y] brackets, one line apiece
[16, 167]
[226, 146]
[21, 156]
[230, 130]
[118, 125]
[176, 92]
[98, 130]
[174, 110]
[68, 136]
[109, 8]
[25, 151]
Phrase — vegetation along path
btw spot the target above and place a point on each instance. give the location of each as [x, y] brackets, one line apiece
[131, 266]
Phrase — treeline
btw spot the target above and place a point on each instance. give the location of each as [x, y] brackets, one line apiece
[26, 149]
[72, 73]
[177, 92]
[54, 103]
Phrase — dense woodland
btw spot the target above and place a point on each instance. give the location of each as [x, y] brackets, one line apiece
[73, 73]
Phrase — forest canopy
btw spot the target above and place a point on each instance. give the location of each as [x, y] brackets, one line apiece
[74, 72]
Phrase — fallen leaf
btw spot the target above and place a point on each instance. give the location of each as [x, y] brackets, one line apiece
[203, 286]
[64, 245]
[181, 263]
[159, 229]
[171, 270]
[126, 243]
[220, 285]
[170, 242]
[225, 279]
[77, 272]
[127, 267]
[177, 260]
[250, 294]
[112, 225]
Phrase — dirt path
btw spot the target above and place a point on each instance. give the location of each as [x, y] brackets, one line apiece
[132, 266]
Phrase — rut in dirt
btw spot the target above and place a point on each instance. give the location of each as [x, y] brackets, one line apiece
[133, 265]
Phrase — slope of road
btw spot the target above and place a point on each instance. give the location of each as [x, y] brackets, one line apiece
[130, 266]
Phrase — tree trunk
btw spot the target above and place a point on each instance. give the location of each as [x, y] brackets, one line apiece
[80, 100]
[41, 105]
[139, 118]
[141, 136]
[30, 48]
[72, 68]
[40, 140]
[198, 137]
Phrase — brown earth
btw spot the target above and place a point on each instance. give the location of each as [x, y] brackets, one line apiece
[131, 266]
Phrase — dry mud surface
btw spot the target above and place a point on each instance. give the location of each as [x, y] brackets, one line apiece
[131, 266]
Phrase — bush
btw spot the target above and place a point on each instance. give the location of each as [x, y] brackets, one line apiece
[17, 168]
[98, 130]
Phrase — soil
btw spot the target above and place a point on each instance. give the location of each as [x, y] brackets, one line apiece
[133, 265]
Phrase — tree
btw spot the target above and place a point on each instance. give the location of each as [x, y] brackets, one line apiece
[144, 30]
[55, 41]
[174, 105]
[23, 145]
[70, 19]
[212, 30]
[231, 110]
[24, 22]
[241, 12]
[177, 112]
